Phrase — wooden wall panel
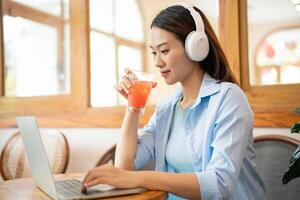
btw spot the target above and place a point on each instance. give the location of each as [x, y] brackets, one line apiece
[1, 54]
[110, 117]
[229, 31]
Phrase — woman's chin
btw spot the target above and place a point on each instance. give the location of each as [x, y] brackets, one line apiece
[170, 81]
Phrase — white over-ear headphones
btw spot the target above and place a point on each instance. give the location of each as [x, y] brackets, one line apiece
[196, 43]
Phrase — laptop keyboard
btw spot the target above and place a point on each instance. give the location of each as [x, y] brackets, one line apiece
[69, 188]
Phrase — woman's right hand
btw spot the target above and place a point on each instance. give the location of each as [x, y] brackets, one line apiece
[124, 86]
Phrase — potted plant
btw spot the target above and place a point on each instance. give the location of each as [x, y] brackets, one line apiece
[294, 167]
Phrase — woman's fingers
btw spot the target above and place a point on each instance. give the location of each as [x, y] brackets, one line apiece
[127, 71]
[92, 178]
[108, 174]
[86, 179]
[118, 88]
[122, 89]
[126, 81]
[93, 182]
[153, 84]
[124, 86]
[91, 175]
[130, 74]
[97, 175]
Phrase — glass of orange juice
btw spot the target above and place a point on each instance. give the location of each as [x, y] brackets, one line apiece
[141, 85]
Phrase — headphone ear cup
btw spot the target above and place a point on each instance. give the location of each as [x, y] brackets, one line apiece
[197, 46]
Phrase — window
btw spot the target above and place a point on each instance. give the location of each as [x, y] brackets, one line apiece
[245, 24]
[65, 56]
[277, 60]
[273, 43]
[35, 59]
[113, 47]
[36, 48]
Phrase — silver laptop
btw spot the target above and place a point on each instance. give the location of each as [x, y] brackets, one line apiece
[41, 171]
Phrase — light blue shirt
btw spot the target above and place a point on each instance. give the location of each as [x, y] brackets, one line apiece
[218, 129]
[177, 156]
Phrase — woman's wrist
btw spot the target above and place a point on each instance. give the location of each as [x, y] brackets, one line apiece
[139, 178]
[134, 110]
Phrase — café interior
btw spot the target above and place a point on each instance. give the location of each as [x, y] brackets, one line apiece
[60, 61]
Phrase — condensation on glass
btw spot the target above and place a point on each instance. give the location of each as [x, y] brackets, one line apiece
[274, 42]
[113, 47]
[36, 49]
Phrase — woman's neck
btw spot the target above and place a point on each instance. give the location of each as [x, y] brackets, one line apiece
[191, 87]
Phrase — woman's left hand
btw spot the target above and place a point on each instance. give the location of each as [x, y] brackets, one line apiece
[108, 174]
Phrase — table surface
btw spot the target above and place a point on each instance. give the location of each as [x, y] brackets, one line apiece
[25, 189]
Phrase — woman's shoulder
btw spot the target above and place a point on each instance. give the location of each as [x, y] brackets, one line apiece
[229, 85]
[231, 95]
[231, 89]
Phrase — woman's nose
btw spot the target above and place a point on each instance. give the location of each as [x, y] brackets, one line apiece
[159, 62]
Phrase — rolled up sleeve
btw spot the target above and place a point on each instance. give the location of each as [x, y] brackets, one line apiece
[233, 125]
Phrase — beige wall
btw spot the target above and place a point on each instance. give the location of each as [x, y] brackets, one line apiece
[88, 144]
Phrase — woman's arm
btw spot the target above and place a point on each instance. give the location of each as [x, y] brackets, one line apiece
[184, 185]
[180, 184]
[126, 145]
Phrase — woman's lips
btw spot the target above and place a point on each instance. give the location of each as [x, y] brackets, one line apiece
[165, 73]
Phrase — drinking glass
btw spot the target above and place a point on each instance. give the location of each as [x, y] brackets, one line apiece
[141, 85]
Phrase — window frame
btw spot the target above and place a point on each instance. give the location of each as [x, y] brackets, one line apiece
[118, 42]
[72, 110]
[51, 106]
[16, 9]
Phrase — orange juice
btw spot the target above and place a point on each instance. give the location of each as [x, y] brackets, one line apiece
[139, 93]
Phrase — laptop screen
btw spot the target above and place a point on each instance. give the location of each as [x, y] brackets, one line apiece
[36, 154]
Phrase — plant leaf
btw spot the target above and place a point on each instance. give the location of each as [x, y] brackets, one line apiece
[295, 156]
[297, 111]
[293, 171]
[296, 128]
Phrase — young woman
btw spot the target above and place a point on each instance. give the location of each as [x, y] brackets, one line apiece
[201, 137]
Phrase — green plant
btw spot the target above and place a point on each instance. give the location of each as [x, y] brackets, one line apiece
[294, 167]
[296, 127]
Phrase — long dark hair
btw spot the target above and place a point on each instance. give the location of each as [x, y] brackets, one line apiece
[177, 20]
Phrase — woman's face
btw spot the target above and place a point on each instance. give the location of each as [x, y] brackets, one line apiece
[170, 57]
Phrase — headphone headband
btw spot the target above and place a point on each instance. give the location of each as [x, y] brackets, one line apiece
[195, 15]
[196, 43]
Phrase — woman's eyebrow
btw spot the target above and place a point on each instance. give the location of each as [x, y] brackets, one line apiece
[159, 45]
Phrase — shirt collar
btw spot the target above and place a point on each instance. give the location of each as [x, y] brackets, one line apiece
[209, 86]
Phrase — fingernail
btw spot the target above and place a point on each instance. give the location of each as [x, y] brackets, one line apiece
[83, 190]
